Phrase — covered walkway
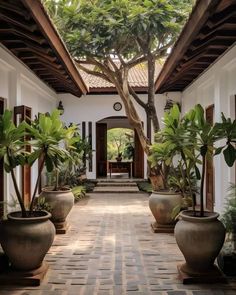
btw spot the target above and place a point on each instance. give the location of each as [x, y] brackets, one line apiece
[110, 249]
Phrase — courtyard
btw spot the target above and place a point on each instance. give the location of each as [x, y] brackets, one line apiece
[111, 249]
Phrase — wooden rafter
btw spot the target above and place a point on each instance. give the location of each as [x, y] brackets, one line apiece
[209, 32]
[26, 30]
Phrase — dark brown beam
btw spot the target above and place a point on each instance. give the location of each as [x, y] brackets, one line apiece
[33, 37]
[199, 16]
[46, 27]
[19, 23]
[16, 9]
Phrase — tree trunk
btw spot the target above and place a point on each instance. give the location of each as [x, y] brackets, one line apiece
[131, 112]
[151, 110]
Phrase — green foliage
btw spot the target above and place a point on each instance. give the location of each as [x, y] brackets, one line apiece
[191, 141]
[79, 192]
[104, 27]
[12, 148]
[145, 186]
[41, 204]
[229, 216]
[47, 140]
[174, 152]
[118, 140]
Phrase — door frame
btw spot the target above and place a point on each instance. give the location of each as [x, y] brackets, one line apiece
[2, 105]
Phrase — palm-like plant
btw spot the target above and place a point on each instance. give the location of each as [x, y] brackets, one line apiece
[47, 135]
[207, 136]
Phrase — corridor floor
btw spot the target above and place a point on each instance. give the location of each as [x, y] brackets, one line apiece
[110, 249]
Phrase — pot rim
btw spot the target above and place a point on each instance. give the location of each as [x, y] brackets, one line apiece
[49, 189]
[45, 216]
[187, 216]
[164, 192]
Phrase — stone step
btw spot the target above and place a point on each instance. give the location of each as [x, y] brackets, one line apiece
[116, 189]
[119, 184]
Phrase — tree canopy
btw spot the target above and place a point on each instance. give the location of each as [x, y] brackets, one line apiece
[116, 35]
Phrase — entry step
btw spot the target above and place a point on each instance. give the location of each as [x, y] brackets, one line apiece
[116, 189]
[115, 184]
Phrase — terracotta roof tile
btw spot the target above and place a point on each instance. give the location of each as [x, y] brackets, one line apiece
[138, 78]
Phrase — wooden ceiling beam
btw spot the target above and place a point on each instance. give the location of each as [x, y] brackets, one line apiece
[52, 72]
[27, 56]
[29, 47]
[26, 26]
[14, 31]
[36, 61]
[14, 8]
[41, 18]
[199, 16]
[221, 17]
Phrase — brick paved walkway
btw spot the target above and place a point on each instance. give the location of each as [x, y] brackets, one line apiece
[110, 249]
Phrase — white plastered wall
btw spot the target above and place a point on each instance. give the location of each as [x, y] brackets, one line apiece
[216, 86]
[20, 86]
[93, 108]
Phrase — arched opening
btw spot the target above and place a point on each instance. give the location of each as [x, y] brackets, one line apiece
[108, 163]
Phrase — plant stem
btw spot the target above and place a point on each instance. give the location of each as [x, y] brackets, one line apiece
[36, 185]
[18, 194]
[202, 185]
[56, 182]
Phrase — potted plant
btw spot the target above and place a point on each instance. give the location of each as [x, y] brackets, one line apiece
[27, 234]
[199, 234]
[227, 257]
[165, 153]
[59, 197]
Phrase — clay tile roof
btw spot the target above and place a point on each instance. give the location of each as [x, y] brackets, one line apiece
[138, 79]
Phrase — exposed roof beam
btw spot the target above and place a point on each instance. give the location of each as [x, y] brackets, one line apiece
[200, 14]
[41, 18]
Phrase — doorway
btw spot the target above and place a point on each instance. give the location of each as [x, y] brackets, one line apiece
[106, 163]
[1, 169]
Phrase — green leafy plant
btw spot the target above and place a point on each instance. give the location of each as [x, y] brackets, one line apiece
[207, 136]
[229, 215]
[47, 135]
[173, 153]
[79, 192]
[134, 32]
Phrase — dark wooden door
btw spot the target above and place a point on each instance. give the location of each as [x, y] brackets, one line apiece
[1, 169]
[235, 118]
[210, 167]
[101, 149]
[138, 158]
[24, 113]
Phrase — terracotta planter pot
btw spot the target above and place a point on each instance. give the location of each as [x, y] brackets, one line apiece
[200, 239]
[60, 202]
[162, 204]
[26, 240]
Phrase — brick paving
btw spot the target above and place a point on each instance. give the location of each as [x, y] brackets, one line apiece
[110, 249]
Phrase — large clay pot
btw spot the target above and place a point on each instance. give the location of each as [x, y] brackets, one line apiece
[26, 240]
[200, 239]
[60, 203]
[162, 205]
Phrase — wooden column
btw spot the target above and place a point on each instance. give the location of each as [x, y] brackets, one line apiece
[83, 137]
[24, 113]
[1, 169]
[138, 158]
[101, 149]
[90, 141]
[210, 186]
